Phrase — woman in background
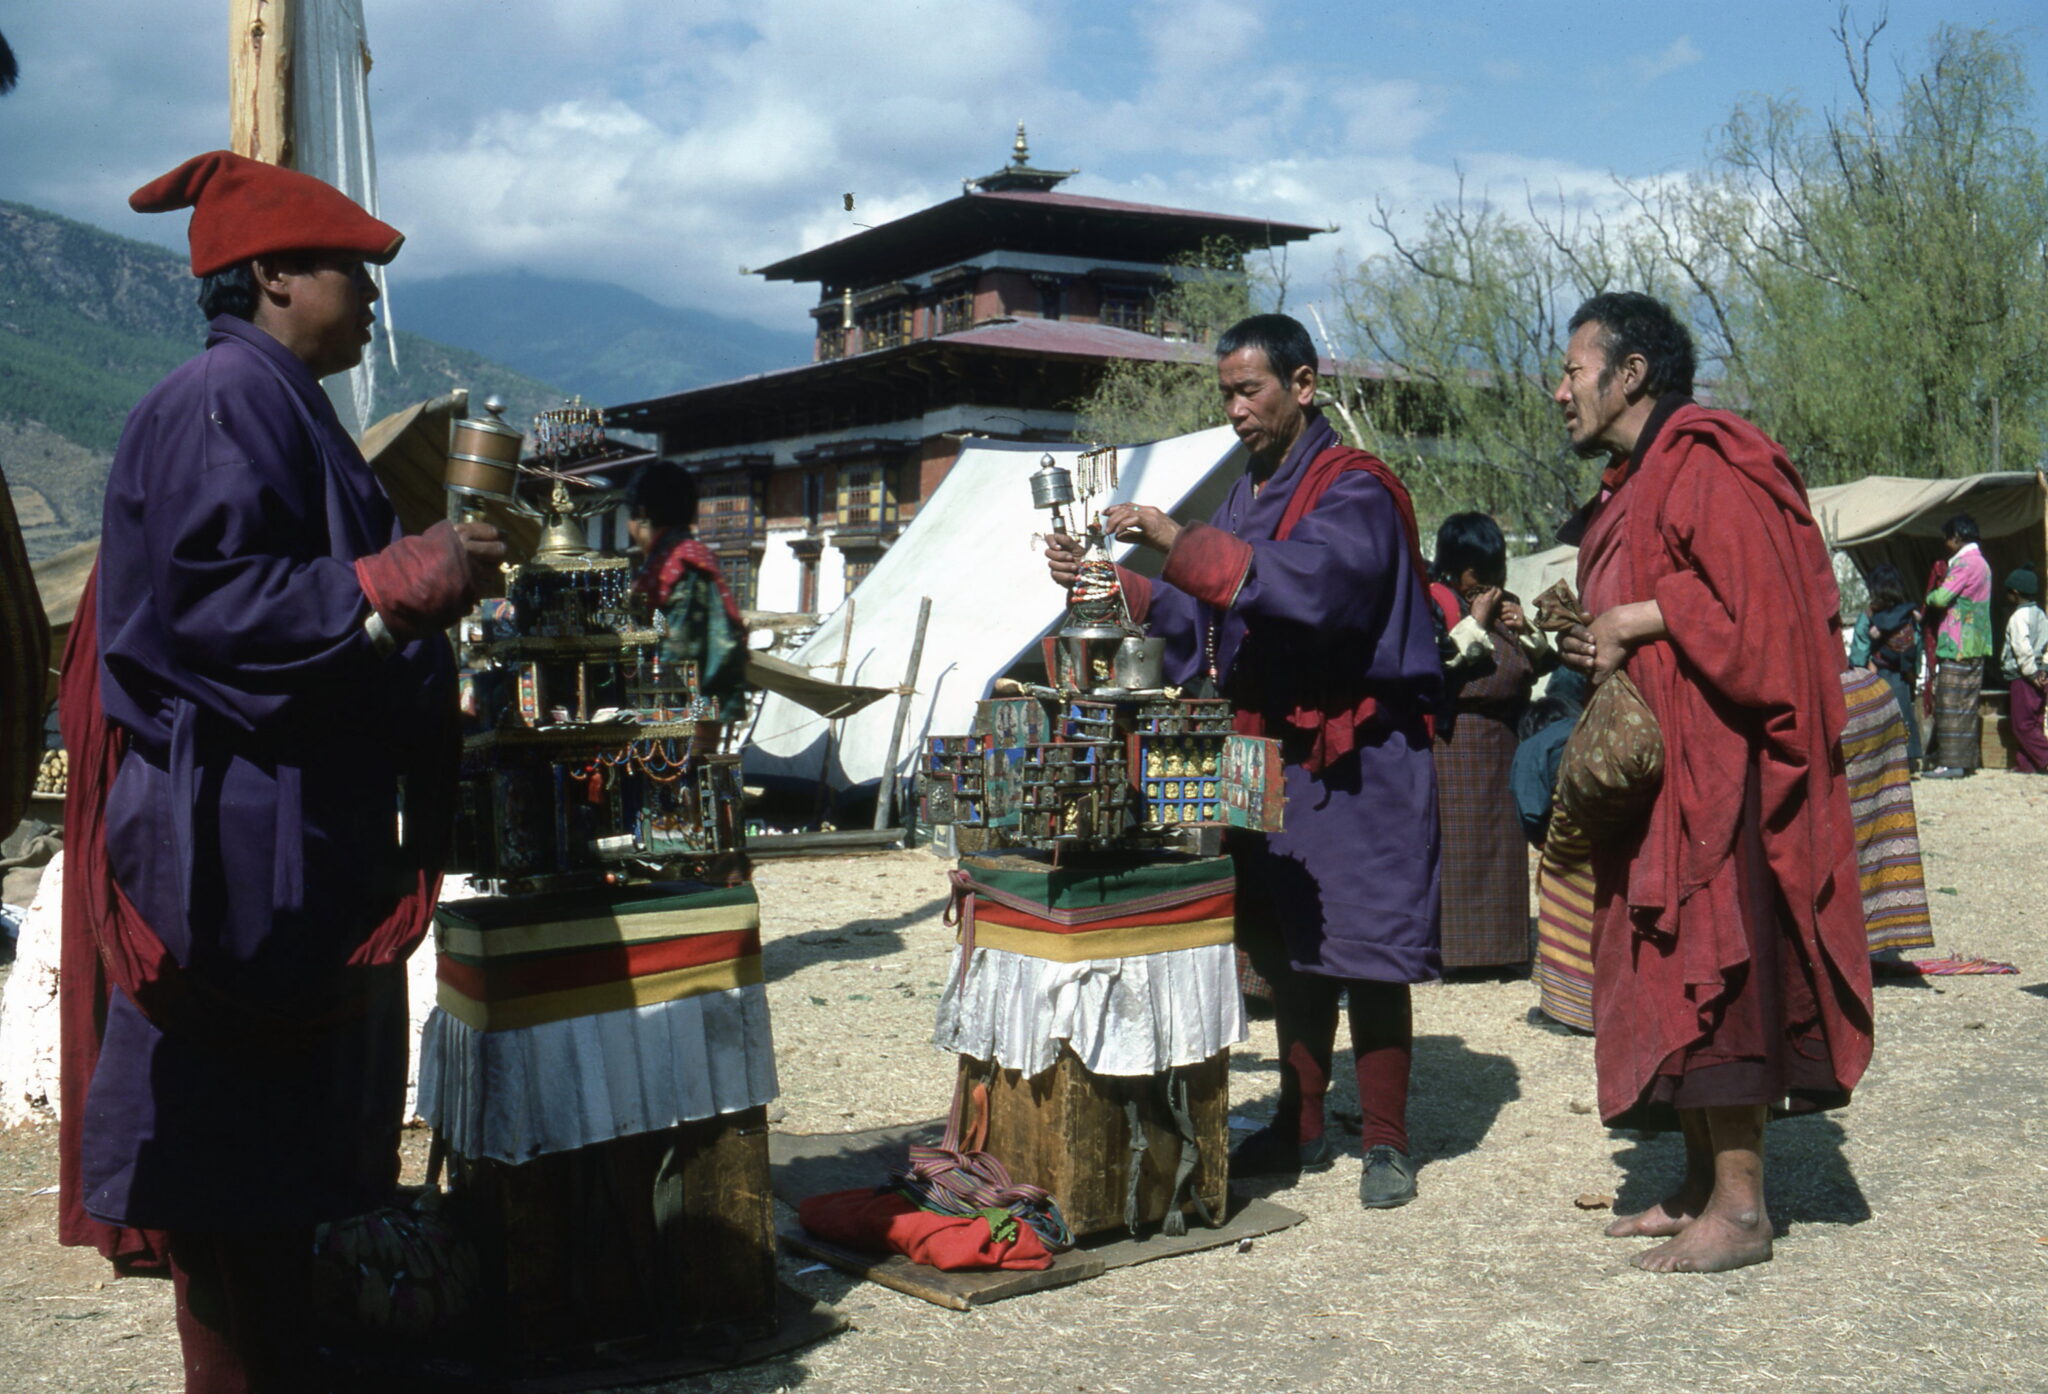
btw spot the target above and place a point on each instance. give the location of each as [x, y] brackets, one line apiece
[1887, 638]
[1496, 654]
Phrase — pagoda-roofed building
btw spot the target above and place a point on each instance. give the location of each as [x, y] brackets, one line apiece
[991, 314]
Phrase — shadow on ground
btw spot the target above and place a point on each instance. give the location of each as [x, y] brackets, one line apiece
[1455, 1094]
[856, 939]
[1807, 1180]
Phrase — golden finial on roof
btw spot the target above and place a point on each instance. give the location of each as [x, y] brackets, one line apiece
[1020, 153]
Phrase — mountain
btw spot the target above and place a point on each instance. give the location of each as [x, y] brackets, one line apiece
[600, 340]
[89, 322]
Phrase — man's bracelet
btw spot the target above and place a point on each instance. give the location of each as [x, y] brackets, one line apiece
[382, 641]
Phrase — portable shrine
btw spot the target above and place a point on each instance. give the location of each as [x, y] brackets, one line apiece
[599, 1062]
[1095, 996]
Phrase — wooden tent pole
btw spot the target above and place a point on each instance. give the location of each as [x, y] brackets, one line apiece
[885, 797]
[260, 80]
[824, 799]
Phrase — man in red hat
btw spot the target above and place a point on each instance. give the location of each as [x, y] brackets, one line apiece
[256, 673]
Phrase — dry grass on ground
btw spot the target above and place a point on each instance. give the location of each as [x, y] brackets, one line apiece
[1913, 1228]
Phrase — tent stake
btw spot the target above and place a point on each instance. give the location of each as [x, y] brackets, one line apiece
[885, 797]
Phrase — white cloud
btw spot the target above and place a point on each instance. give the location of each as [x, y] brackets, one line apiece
[664, 146]
[1682, 52]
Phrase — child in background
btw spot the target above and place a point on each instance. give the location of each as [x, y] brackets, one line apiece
[2026, 669]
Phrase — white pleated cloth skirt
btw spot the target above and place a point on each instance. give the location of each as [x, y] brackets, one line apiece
[512, 1096]
[1121, 1016]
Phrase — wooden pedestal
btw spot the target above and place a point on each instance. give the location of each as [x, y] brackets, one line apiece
[1068, 1131]
[646, 1238]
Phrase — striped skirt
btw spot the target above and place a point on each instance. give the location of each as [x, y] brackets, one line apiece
[1564, 925]
[1881, 802]
[1958, 689]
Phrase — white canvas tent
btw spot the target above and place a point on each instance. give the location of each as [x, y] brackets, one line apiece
[971, 550]
[1530, 576]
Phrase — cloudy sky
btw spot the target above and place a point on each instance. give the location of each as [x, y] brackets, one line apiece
[663, 144]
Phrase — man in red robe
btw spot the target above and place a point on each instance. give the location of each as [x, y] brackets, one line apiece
[1732, 979]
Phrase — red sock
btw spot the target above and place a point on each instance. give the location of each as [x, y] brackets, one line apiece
[1305, 1016]
[244, 1310]
[1382, 1045]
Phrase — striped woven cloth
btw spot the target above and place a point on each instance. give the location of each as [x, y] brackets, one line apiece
[1076, 915]
[508, 964]
[1564, 925]
[1895, 913]
[1958, 692]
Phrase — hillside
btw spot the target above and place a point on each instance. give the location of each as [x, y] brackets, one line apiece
[90, 321]
[600, 340]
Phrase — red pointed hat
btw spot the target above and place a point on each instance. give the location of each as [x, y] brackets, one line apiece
[243, 208]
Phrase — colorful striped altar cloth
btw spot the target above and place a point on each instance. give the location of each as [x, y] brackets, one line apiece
[517, 962]
[1127, 962]
[564, 1021]
[1115, 910]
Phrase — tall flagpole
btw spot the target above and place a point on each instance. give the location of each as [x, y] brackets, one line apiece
[260, 80]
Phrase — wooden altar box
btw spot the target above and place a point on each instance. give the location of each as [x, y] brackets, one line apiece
[1995, 740]
[1067, 1130]
[575, 1254]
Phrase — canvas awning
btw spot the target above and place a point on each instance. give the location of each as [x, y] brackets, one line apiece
[1883, 506]
[831, 700]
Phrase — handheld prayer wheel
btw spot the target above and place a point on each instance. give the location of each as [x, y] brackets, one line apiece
[483, 456]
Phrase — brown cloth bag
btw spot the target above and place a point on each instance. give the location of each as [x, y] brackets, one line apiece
[1613, 761]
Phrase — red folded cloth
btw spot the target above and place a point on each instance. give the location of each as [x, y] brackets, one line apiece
[883, 1221]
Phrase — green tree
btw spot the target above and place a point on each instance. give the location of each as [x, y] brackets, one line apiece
[1462, 322]
[1874, 280]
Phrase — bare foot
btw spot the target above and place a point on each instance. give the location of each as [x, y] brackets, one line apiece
[1667, 1217]
[1713, 1243]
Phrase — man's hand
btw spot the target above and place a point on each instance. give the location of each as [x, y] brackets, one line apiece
[2040, 681]
[483, 547]
[1600, 651]
[1140, 523]
[1575, 649]
[1063, 559]
[1486, 605]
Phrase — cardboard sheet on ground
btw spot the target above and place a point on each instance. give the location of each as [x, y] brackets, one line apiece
[807, 1165]
[970, 548]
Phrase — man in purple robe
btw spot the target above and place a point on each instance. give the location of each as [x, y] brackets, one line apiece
[1304, 601]
[270, 671]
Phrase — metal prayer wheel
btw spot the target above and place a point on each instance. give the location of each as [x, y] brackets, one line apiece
[483, 456]
[1140, 664]
[1051, 486]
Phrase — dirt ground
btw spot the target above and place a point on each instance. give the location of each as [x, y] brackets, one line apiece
[1913, 1227]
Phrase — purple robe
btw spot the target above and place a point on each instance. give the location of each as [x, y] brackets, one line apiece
[1351, 883]
[253, 823]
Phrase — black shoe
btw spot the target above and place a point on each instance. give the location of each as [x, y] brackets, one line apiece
[1388, 1180]
[1271, 1152]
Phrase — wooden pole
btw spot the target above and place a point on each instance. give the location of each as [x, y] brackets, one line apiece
[260, 80]
[832, 729]
[885, 797]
